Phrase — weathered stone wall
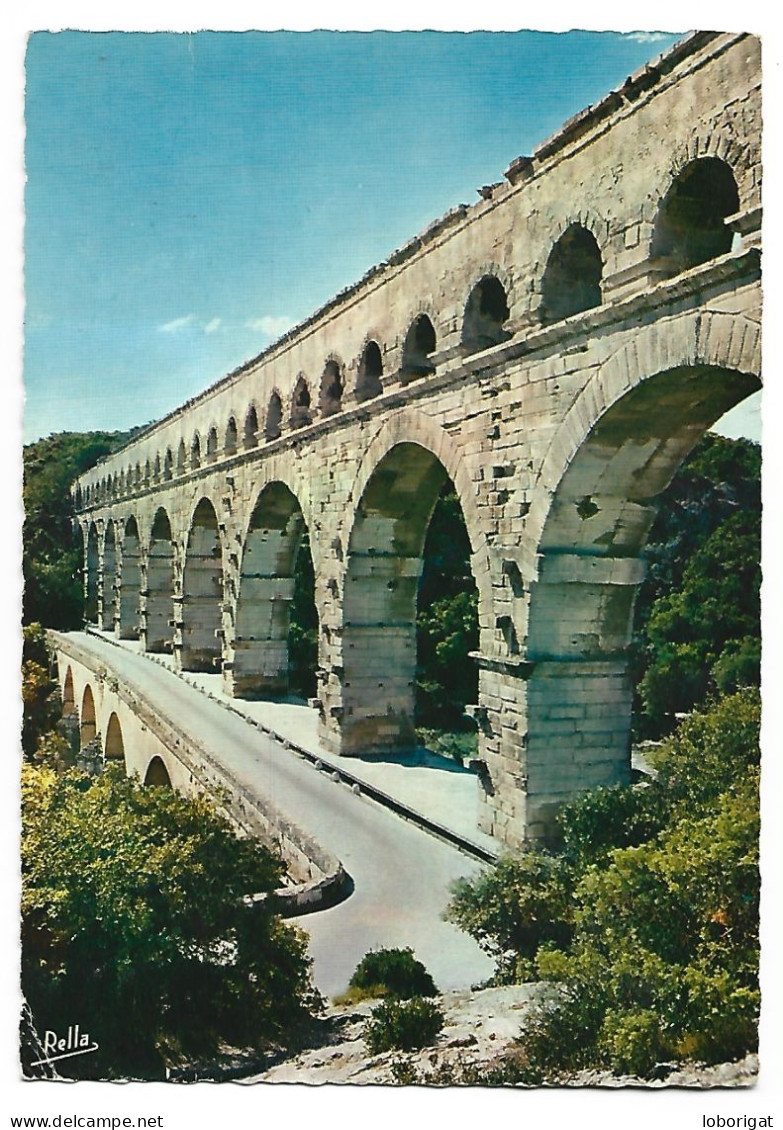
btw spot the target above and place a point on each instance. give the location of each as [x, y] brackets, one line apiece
[557, 437]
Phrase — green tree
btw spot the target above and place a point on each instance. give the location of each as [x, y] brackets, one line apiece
[696, 623]
[135, 925]
[720, 477]
[709, 628]
[51, 554]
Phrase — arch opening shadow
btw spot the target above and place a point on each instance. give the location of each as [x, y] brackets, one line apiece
[572, 278]
[301, 415]
[274, 418]
[580, 616]
[87, 724]
[114, 749]
[91, 577]
[331, 394]
[69, 700]
[690, 228]
[446, 623]
[486, 313]
[368, 381]
[157, 774]
[212, 444]
[250, 430]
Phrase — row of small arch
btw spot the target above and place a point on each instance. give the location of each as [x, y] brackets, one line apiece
[113, 744]
[689, 230]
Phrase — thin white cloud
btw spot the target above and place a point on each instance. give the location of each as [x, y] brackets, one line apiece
[212, 325]
[271, 326]
[647, 36]
[177, 324]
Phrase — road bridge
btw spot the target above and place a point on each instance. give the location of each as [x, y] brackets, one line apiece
[554, 350]
[168, 732]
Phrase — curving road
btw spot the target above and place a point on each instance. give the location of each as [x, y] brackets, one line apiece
[402, 874]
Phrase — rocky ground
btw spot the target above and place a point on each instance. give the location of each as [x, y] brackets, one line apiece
[480, 1026]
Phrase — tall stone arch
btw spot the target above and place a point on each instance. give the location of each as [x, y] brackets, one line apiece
[158, 592]
[108, 589]
[617, 449]
[369, 661]
[486, 315]
[260, 659]
[129, 583]
[202, 592]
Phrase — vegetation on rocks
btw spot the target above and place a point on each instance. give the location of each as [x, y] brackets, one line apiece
[647, 920]
[402, 1025]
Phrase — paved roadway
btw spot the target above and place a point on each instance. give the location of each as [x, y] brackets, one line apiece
[402, 874]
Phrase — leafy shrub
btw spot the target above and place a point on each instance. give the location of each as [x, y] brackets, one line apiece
[632, 1041]
[402, 1025]
[394, 973]
[609, 818]
[711, 750]
[513, 908]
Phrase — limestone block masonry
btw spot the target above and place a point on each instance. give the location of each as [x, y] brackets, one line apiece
[556, 350]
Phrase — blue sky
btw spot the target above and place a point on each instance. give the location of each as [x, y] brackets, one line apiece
[192, 196]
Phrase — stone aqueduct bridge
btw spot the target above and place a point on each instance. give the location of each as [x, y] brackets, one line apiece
[555, 350]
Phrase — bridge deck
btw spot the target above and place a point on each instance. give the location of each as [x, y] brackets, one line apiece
[402, 875]
[424, 783]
